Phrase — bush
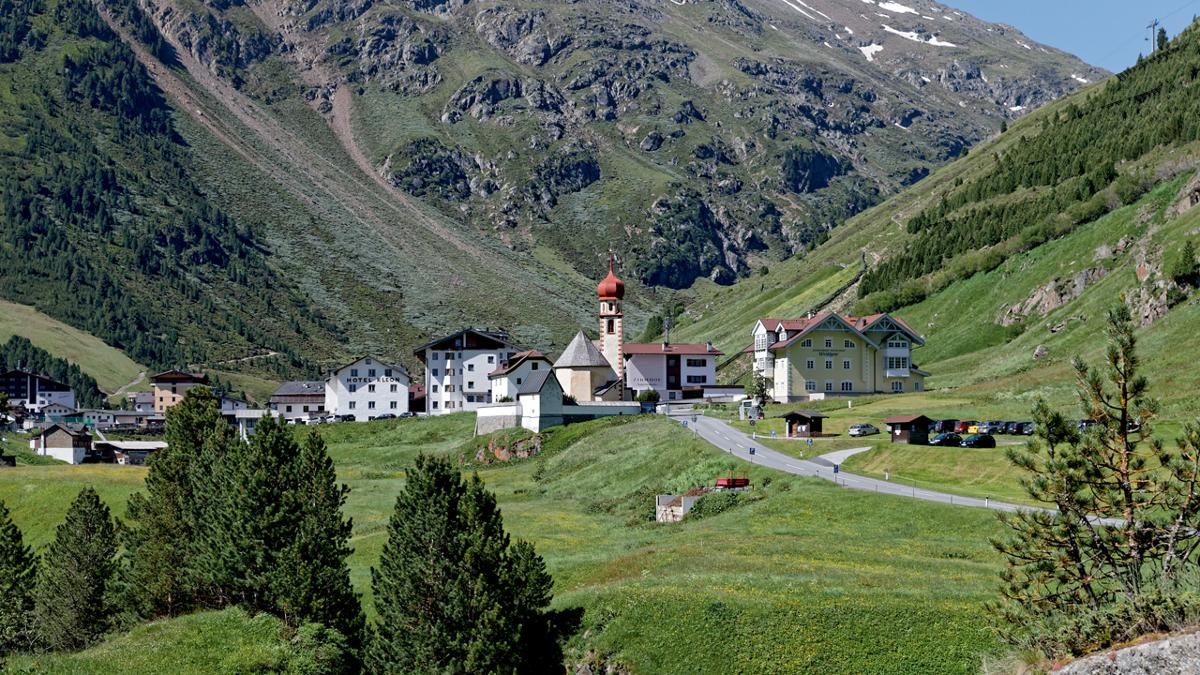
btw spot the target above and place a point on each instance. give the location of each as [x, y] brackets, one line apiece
[648, 396]
[713, 503]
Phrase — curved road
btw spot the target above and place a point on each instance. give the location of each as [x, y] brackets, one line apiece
[738, 444]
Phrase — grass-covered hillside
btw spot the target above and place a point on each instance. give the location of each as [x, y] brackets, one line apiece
[799, 575]
[1021, 246]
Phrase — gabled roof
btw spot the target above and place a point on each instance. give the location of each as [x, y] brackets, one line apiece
[515, 362]
[806, 414]
[485, 339]
[400, 370]
[25, 373]
[76, 430]
[535, 383]
[806, 326]
[906, 419]
[634, 348]
[866, 323]
[300, 388]
[581, 353]
[175, 375]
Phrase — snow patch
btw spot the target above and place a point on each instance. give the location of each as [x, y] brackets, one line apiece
[827, 45]
[849, 31]
[871, 50]
[798, 9]
[1024, 45]
[773, 26]
[886, 16]
[896, 7]
[909, 35]
[929, 18]
[926, 79]
[1079, 78]
[813, 9]
[1017, 108]
[901, 126]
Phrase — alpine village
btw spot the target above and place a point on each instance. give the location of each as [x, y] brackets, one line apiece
[599, 338]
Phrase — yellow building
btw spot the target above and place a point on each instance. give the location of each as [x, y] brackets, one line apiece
[170, 386]
[829, 354]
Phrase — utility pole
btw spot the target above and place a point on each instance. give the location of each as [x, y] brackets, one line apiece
[1153, 27]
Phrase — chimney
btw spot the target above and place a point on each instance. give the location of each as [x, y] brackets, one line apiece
[709, 345]
[665, 345]
[810, 315]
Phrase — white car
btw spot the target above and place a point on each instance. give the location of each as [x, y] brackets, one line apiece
[863, 429]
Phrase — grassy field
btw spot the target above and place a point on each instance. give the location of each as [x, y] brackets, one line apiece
[803, 577]
[111, 368]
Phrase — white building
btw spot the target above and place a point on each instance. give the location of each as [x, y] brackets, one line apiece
[367, 388]
[585, 374]
[299, 400]
[34, 392]
[512, 373]
[457, 368]
[675, 371]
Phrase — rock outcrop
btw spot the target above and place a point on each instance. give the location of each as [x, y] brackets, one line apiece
[1176, 655]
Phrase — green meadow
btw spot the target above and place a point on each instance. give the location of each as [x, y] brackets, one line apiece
[800, 576]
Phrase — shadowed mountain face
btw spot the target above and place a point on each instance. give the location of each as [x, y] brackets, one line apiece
[395, 168]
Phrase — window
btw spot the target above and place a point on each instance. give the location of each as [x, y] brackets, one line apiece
[354, 372]
[305, 408]
[449, 388]
[533, 366]
[370, 389]
[368, 362]
[897, 362]
[470, 367]
[696, 363]
[810, 364]
[393, 405]
[828, 364]
[352, 405]
[897, 387]
[846, 364]
[433, 356]
[370, 405]
[371, 372]
[848, 344]
[435, 405]
[450, 404]
[806, 343]
[897, 343]
[387, 372]
[434, 372]
[449, 372]
[289, 408]
[353, 388]
[392, 389]
[828, 343]
[828, 386]
[518, 380]
[434, 388]
[760, 342]
[609, 326]
[697, 379]
[810, 386]
[847, 386]
[491, 358]
[471, 385]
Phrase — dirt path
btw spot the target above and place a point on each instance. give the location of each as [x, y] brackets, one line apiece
[124, 389]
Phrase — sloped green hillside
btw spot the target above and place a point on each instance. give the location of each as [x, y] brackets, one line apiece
[1020, 246]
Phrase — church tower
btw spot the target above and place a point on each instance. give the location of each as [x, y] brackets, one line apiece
[611, 291]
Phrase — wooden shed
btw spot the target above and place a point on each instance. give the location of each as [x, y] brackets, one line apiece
[911, 429]
[803, 424]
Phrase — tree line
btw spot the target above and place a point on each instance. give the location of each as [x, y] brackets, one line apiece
[258, 524]
[1046, 183]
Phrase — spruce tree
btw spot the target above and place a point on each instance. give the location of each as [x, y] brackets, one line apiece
[312, 580]
[249, 518]
[451, 594]
[1186, 269]
[71, 603]
[18, 572]
[162, 524]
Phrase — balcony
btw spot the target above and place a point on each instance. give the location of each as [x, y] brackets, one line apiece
[897, 372]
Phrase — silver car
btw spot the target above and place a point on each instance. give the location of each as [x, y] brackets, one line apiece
[863, 429]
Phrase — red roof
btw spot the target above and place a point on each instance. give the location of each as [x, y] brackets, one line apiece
[658, 348]
[798, 327]
[610, 287]
[516, 360]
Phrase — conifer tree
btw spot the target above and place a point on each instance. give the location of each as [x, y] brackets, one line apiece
[1107, 563]
[312, 580]
[162, 523]
[451, 594]
[18, 570]
[1186, 269]
[249, 518]
[71, 603]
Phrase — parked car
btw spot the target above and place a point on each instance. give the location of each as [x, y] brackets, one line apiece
[1025, 428]
[346, 418]
[942, 426]
[991, 427]
[979, 441]
[1010, 428]
[408, 413]
[385, 416]
[863, 429]
[962, 426]
[1084, 425]
[946, 438]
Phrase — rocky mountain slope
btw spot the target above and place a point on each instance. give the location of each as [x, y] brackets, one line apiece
[393, 168]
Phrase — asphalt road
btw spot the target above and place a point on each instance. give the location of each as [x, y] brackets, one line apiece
[739, 445]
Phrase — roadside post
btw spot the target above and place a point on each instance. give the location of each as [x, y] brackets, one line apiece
[751, 455]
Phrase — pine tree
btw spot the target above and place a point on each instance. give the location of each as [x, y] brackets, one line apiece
[1108, 562]
[1186, 270]
[71, 603]
[451, 594]
[249, 518]
[18, 571]
[312, 580]
[1162, 40]
[162, 524]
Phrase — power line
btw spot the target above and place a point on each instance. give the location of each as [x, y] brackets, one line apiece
[1164, 17]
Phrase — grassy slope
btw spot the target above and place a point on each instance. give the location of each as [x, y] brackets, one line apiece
[111, 367]
[809, 578]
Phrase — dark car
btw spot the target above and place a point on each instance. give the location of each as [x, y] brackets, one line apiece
[946, 438]
[961, 426]
[346, 418]
[942, 426]
[385, 416]
[1010, 428]
[978, 441]
[992, 427]
[1084, 425]
[1025, 428]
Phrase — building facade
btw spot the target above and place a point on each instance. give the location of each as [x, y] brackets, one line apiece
[170, 387]
[298, 400]
[457, 368]
[675, 371]
[507, 379]
[33, 392]
[829, 354]
[585, 374]
[65, 442]
[367, 388]
[611, 293]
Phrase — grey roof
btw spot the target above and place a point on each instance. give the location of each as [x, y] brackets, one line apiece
[534, 384]
[300, 388]
[581, 353]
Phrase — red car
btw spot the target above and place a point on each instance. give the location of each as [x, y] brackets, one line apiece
[963, 426]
